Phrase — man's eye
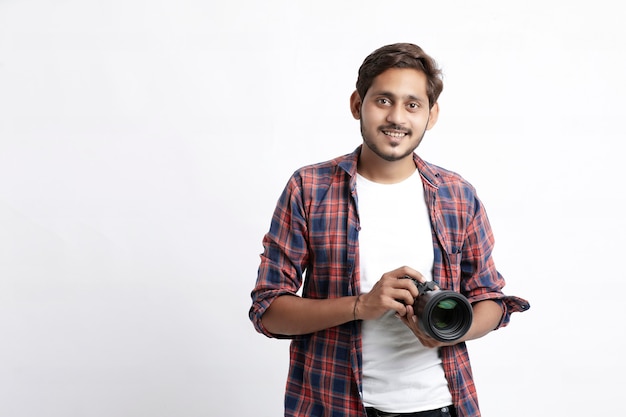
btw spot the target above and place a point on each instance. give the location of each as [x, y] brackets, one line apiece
[413, 106]
[384, 101]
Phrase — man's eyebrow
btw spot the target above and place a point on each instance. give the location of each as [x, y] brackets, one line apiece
[409, 97]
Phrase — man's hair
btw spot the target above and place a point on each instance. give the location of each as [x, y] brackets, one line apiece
[400, 55]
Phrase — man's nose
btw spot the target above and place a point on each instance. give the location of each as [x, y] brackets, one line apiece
[396, 115]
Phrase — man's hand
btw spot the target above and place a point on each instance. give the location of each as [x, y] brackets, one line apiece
[391, 292]
[411, 320]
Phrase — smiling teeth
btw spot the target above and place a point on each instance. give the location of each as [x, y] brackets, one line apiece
[395, 134]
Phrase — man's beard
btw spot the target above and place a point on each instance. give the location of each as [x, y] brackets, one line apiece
[390, 158]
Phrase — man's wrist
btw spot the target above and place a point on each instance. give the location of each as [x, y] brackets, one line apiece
[354, 312]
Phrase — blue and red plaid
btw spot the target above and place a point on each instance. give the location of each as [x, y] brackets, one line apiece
[313, 242]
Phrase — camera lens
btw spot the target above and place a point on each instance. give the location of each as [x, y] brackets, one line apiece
[444, 315]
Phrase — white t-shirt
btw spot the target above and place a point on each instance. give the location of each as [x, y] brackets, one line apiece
[399, 373]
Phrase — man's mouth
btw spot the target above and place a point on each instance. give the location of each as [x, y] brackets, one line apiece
[395, 133]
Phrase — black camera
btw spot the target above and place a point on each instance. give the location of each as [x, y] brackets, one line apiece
[445, 315]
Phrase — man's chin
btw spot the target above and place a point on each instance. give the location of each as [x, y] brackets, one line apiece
[394, 155]
[390, 152]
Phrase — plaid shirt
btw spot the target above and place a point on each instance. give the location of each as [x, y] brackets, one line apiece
[315, 229]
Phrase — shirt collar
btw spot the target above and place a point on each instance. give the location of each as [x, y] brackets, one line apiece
[349, 165]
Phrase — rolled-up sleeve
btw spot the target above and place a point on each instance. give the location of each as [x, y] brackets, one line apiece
[284, 256]
[481, 280]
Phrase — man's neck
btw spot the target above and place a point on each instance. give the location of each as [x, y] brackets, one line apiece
[378, 170]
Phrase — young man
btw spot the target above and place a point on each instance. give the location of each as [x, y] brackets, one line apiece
[349, 230]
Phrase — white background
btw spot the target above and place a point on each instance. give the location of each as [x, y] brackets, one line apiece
[143, 145]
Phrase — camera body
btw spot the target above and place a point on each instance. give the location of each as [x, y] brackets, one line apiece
[443, 314]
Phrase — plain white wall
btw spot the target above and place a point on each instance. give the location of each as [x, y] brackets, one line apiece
[143, 146]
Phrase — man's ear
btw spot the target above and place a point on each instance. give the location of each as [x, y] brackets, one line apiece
[433, 116]
[355, 105]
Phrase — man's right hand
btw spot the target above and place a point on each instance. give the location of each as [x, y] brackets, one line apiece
[391, 292]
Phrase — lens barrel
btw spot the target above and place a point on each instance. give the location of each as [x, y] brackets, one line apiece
[445, 315]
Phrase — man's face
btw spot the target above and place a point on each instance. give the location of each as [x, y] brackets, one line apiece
[394, 114]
